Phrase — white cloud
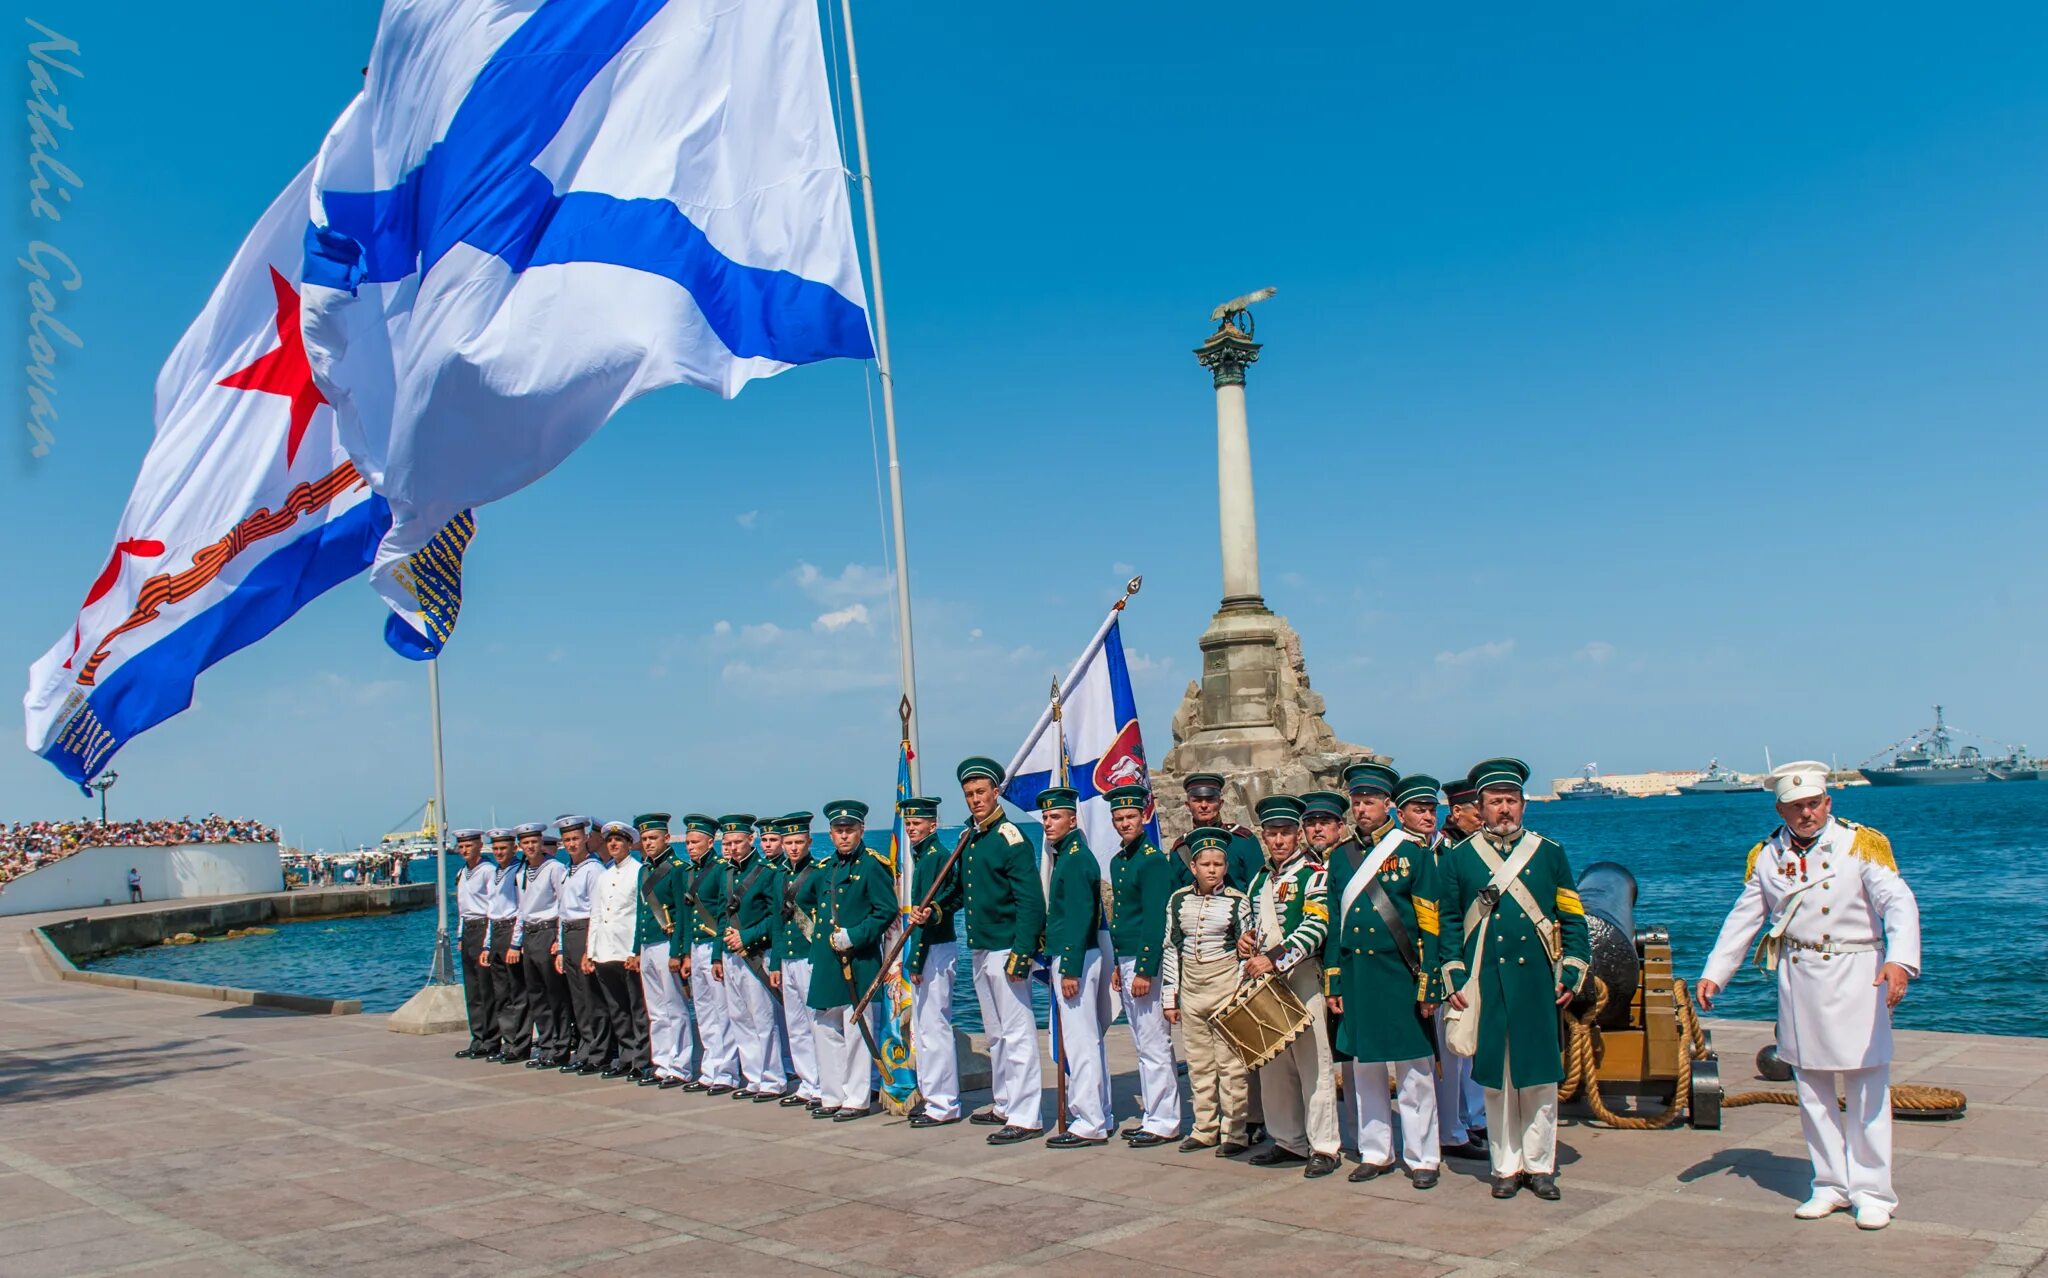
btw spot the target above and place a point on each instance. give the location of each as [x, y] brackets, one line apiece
[748, 520]
[1479, 654]
[974, 633]
[850, 615]
[1140, 663]
[722, 628]
[1598, 652]
[854, 582]
[762, 635]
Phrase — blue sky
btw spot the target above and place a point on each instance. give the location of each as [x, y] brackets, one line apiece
[1645, 384]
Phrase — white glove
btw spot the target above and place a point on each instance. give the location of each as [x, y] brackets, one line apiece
[840, 940]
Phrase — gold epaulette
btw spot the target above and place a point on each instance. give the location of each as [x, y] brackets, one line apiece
[1749, 870]
[888, 862]
[1568, 902]
[1874, 848]
[1426, 916]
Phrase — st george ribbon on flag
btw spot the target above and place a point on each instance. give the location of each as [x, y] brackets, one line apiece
[245, 509]
[537, 212]
[1100, 721]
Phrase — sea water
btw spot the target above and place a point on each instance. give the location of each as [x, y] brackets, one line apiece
[1972, 853]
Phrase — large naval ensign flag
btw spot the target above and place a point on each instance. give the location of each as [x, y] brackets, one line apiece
[537, 212]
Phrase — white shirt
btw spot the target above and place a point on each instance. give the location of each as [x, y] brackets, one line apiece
[1206, 924]
[614, 912]
[540, 896]
[473, 888]
[505, 893]
[579, 889]
[1841, 915]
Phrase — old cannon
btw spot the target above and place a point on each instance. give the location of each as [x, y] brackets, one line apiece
[1631, 1028]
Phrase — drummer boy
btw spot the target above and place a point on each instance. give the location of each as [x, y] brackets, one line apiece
[1198, 973]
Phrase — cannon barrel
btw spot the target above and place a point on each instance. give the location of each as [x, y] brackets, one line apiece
[1608, 891]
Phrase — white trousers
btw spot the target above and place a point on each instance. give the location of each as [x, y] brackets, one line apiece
[1081, 1038]
[668, 1015]
[1372, 1111]
[718, 1061]
[1158, 1086]
[1460, 1102]
[931, 1032]
[1299, 1086]
[1851, 1148]
[750, 1007]
[1015, 1082]
[845, 1066]
[1521, 1127]
[797, 1014]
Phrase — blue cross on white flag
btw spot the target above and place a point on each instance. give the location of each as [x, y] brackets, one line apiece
[537, 211]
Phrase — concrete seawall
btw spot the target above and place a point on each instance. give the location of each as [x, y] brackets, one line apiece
[68, 942]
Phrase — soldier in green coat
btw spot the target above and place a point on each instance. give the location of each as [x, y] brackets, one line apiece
[1244, 858]
[753, 912]
[1377, 961]
[668, 1008]
[803, 894]
[1005, 909]
[931, 955]
[1141, 880]
[846, 957]
[1519, 952]
[1079, 949]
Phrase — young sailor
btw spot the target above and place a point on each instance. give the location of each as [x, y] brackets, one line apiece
[579, 888]
[1198, 973]
[614, 957]
[1382, 928]
[803, 892]
[515, 1016]
[473, 888]
[931, 955]
[846, 956]
[1844, 939]
[751, 911]
[1005, 910]
[1141, 879]
[1290, 914]
[1079, 950]
[1511, 891]
[536, 935]
[700, 966]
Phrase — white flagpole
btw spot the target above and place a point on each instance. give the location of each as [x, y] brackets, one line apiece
[444, 964]
[1066, 687]
[907, 666]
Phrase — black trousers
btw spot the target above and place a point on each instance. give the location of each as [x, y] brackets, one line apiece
[586, 1002]
[626, 1006]
[515, 1015]
[479, 989]
[547, 992]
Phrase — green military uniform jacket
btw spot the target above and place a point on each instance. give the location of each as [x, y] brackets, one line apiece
[999, 888]
[1141, 880]
[803, 892]
[754, 906]
[1518, 1019]
[930, 858]
[1300, 899]
[1362, 963]
[1073, 907]
[1241, 864]
[651, 925]
[859, 896]
[702, 885]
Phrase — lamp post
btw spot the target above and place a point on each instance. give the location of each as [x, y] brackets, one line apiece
[103, 783]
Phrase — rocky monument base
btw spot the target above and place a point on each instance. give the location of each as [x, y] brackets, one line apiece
[1252, 717]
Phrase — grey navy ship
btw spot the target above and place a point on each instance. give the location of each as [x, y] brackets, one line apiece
[1930, 757]
[1719, 780]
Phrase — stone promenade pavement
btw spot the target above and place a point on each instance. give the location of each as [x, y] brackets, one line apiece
[144, 1133]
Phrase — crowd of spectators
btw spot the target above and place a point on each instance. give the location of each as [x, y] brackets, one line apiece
[28, 844]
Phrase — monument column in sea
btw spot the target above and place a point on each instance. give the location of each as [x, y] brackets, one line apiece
[1252, 715]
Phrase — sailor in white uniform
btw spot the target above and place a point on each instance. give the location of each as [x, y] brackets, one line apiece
[1842, 931]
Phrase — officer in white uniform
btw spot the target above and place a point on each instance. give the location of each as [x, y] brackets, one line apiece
[1842, 931]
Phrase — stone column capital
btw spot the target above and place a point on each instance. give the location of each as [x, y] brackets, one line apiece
[1226, 354]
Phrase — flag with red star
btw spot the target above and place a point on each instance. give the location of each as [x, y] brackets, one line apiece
[246, 508]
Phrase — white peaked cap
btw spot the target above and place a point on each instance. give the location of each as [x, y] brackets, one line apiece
[1802, 780]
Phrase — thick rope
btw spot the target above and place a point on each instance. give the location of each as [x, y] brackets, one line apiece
[1584, 1049]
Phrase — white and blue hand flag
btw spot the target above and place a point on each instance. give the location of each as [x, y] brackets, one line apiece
[538, 211]
[1101, 738]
